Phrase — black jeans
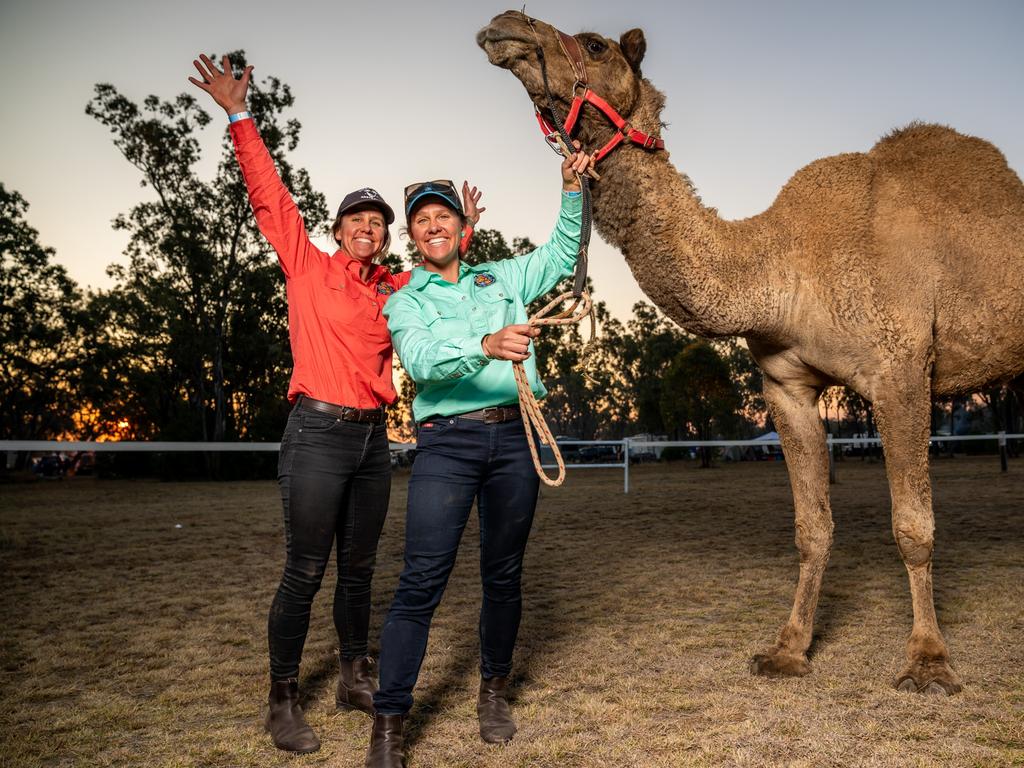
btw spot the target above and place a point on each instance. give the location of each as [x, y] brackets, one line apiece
[335, 480]
[458, 460]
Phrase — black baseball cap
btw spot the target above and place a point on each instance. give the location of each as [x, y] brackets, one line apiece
[442, 190]
[367, 197]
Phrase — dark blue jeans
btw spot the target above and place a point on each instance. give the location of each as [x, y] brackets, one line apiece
[335, 480]
[457, 461]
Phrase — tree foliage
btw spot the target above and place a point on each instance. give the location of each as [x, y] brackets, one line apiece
[39, 319]
[700, 398]
[195, 343]
[647, 346]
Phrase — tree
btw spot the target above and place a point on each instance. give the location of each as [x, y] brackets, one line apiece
[699, 397]
[490, 245]
[200, 308]
[40, 310]
[647, 348]
[747, 376]
[570, 365]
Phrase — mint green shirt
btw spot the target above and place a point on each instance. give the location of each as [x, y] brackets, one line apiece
[437, 326]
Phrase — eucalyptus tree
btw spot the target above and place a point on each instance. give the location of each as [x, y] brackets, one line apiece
[199, 309]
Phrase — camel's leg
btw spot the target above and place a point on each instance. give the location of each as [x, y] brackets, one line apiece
[904, 422]
[794, 409]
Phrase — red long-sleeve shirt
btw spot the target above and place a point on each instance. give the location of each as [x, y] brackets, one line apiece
[339, 336]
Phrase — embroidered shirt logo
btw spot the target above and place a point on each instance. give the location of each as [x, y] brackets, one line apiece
[368, 194]
[385, 289]
[484, 279]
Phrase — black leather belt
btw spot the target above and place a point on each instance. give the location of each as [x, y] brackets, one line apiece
[343, 412]
[493, 415]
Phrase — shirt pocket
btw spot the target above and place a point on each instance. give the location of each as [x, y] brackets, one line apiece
[335, 300]
[496, 301]
[443, 320]
[353, 312]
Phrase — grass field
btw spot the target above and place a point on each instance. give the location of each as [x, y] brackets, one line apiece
[128, 640]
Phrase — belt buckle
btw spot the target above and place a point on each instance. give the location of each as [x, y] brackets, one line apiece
[492, 414]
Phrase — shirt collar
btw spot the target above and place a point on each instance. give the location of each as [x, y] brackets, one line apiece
[353, 266]
[421, 277]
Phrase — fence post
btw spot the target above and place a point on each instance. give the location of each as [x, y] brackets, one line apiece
[625, 465]
[1002, 450]
[831, 460]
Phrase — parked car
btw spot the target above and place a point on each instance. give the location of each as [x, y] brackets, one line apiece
[50, 466]
[598, 454]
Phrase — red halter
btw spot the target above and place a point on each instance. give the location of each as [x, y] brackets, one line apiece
[571, 49]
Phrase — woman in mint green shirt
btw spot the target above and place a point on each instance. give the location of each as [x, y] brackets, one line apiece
[457, 330]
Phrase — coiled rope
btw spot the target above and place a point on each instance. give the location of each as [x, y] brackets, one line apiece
[529, 408]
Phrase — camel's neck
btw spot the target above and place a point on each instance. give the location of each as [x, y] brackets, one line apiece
[705, 273]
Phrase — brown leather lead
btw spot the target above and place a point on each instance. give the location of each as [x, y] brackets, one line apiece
[571, 49]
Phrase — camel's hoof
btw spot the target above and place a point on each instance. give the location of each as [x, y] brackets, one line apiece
[906, 684]
[932, 679]
[775, 664]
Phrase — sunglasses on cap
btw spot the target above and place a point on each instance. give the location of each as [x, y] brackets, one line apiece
[442, 188]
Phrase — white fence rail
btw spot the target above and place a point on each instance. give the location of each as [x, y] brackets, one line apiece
[625, 446]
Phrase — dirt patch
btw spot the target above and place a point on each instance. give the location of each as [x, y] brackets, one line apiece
[134, 623]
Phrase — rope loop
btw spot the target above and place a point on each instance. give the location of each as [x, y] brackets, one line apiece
[529, 408]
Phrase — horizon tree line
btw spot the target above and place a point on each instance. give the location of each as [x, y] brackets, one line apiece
[191, 342]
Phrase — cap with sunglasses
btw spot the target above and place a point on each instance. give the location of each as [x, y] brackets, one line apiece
[370, 198]
[442, 189]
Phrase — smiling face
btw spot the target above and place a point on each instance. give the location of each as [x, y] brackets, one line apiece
[362, 233]
[436, 230]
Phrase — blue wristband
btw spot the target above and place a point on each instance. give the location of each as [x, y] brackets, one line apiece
[570, 193]
[239, 116]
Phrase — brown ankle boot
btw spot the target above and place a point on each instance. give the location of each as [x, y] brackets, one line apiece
[496, 724]
[285, 722]
[356, 685]
[386, 742]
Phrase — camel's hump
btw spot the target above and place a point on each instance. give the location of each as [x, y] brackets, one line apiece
[918, 139]
[963, 171]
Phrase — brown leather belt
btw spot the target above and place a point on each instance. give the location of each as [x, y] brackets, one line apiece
[343, 412]
[493, 415]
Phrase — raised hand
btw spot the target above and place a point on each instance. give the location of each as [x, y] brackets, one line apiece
[227, 91]
[510, 343]
[573, 166]
[470, 198]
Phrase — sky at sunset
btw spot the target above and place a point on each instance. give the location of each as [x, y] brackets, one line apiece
[393, 92]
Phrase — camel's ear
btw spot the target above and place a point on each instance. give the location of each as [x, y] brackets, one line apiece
[633, 46]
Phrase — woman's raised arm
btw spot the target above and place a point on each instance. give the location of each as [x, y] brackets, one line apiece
[277, 215]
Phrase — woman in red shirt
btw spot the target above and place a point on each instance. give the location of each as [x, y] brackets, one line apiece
[334, 468]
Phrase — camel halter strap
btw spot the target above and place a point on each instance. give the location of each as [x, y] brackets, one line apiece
[581, 95]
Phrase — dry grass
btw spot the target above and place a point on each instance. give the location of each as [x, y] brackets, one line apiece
[130, 641]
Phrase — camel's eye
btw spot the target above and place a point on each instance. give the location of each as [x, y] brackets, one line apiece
[595, 46]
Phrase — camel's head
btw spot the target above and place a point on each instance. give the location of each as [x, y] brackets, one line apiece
[613, 68]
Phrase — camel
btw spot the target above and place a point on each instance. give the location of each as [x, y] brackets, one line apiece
[898, 272]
